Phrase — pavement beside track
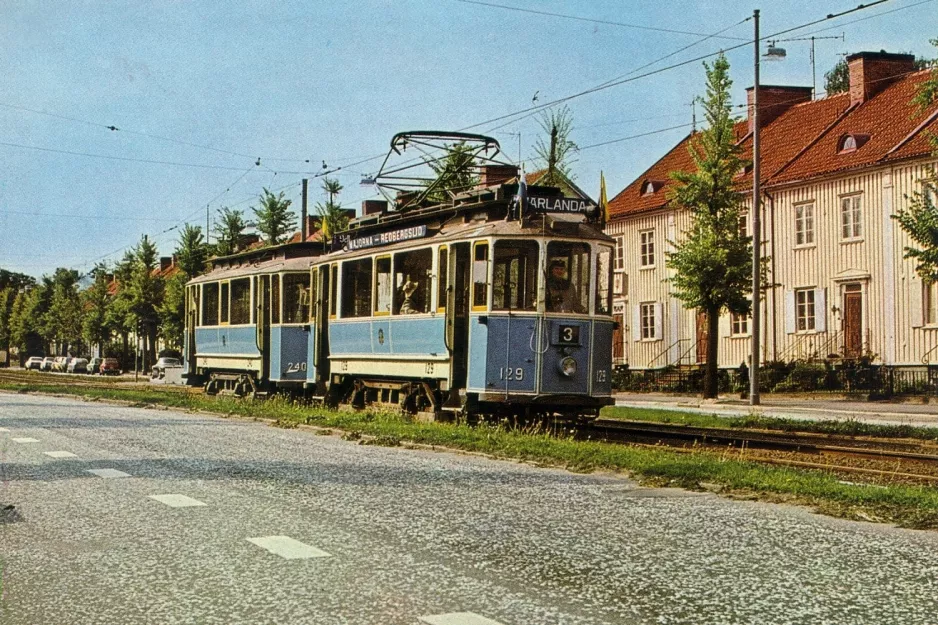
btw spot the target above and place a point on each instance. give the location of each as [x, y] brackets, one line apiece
[806, 408]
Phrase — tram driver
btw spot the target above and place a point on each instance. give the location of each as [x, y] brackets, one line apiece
[408, 306]
[561, 294]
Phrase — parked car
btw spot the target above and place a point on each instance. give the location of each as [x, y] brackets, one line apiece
[94, 365]
[60, 363]
[47, 363]
[110, 366]
[33, 362]
[159, 369]
[78, 365]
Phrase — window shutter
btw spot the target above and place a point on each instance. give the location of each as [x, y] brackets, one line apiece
[916, 302]
[820, 310]
[790, 312]
[659, 321]
[637, 323]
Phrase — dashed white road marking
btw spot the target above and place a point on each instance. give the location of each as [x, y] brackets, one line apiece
[60, 454]
[25, 439]
[108, 473]
[288, 548]
[178, 501]
[458, 618]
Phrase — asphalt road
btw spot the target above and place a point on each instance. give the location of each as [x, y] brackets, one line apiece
[301, 528]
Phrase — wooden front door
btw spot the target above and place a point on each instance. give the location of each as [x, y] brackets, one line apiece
[701, 337]
[853, 321]
[618, 340]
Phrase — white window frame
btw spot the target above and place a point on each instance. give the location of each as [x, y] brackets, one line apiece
[620, 254]
[851, 218]
[646, 238]
[804, 224]
[930, 304]
[648, 325]
[744, 224]
[739, 324]
[805, 311]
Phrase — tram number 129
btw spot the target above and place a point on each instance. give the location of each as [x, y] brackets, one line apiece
[507, 373]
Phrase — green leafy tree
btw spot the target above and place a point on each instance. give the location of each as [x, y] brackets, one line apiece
[120, 316]
[19, 328]
[146, 292]
[713, 261]
[17, 281]
[229, 230]
[172, 310]
[191, 251]
[920, 218]
[191, 256]
[332, 217]
[837, 80]
[95, 299]
[274, 219]
[556, 151]
[453, 173]
[64, 317]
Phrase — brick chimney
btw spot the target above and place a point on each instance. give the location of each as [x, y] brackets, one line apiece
[497, 174]
[374, 207]
[775, 100]
[871, 72]
[312, 225]
[165, 262]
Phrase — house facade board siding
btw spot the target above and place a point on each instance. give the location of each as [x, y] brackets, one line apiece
[911, 343]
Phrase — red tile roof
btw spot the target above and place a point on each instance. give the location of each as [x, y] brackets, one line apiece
[802, 143]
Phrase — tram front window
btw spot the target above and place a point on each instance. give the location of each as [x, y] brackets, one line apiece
[515, 275]
[568, 277]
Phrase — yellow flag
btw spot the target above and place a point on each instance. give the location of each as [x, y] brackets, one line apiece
[603, 202]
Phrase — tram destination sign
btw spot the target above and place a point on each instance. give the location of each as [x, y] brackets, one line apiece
[558, 204]
[386, 238]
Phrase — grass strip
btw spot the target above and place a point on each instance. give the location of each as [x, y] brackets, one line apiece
[846, 427]
[906, 506]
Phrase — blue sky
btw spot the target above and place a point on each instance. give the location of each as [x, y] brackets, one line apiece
[334, 81]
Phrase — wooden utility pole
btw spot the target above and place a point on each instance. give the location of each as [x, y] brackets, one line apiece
[756, 231]
[303, 229]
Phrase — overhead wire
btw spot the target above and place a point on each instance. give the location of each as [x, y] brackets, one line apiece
[586, 19]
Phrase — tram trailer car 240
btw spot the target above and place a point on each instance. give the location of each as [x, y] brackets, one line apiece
[479, 308]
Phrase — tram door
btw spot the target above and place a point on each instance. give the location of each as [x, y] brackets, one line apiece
[262, 312]
[321, 338]
[192, 317]
[457, 313]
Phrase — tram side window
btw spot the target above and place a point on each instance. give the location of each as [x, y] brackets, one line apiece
[604, 281]
[442, 275]
[296, 297]
[480, 275]
[412, 274]
[240, 301]
[356, 288]
[383, 285]
[223, 318]
[275, 298]
[568, 277]
[210, 304]
[514, 280]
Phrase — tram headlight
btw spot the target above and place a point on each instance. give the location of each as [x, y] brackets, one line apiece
[568, 366]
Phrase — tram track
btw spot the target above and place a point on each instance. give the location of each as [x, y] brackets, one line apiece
[906, 459]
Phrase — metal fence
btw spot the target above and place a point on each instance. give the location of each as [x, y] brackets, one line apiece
[875, 381]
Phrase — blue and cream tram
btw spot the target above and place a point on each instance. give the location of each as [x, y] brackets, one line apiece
[496, 303]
